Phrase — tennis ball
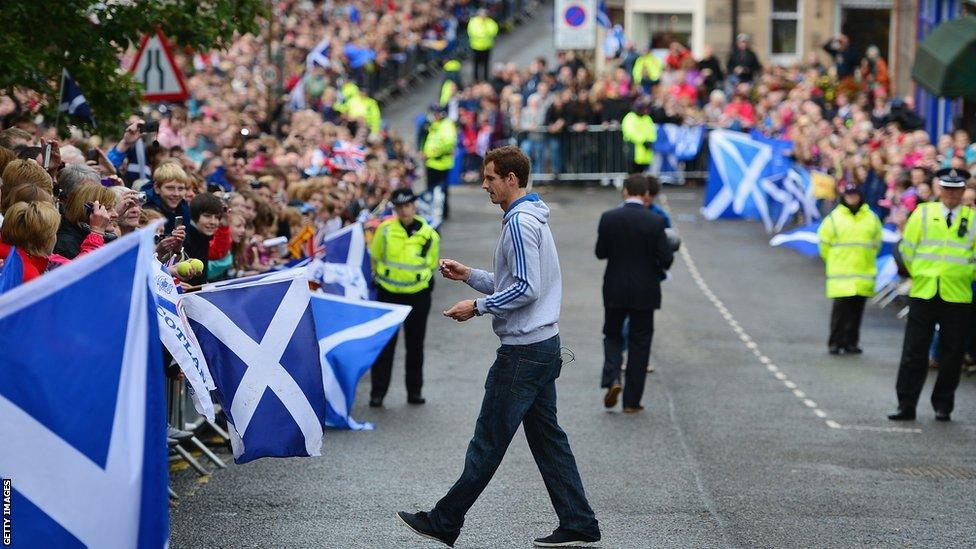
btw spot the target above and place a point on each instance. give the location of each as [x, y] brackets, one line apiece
[183, 269]
[196, 264]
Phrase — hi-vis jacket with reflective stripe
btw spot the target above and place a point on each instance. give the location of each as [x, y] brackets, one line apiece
[939, 258]
[849, 245]
[404, 264]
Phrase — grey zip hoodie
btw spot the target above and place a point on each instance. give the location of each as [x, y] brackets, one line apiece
[525, 291]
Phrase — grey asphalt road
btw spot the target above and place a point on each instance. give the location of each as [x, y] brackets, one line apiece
[726, 455]
[753, 435]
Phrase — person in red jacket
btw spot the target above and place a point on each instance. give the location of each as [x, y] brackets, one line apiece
[32, 228]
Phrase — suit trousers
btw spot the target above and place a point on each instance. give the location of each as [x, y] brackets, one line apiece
[923, 315]
[638, 351]
[414, 330]
[845, 321]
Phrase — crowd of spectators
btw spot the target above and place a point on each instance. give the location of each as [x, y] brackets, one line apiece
[242, 166]
[836, 107]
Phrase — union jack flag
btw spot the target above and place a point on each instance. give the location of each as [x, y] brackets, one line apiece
[348, 156]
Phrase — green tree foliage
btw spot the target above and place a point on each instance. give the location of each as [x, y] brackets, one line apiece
[87, 37]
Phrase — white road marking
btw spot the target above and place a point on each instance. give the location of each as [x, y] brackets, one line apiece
[752, 345]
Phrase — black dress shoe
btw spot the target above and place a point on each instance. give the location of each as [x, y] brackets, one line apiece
[416, 399]
[566, 538]
[375, 402]
[903, 414]
[419, 523]
[834, 350]
[942, 415]
[853, 350]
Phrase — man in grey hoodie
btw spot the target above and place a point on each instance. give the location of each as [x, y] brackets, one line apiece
[524, 295]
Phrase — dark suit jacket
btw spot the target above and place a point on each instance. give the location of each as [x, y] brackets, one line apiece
[632, 239]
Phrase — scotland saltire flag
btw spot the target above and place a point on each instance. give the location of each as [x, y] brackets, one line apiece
[351, 335]
[675, 144]
[742, 175]
[12, 271]
[345, 270]
[82, 422]
[319, 55]
[603, 15]
[887, 271]
[804, 239]
[298, 268]
[259, 340]
[430, 206]
[788, 194]
[72, 101]
[801, 239]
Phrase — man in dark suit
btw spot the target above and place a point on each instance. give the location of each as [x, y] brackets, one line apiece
[632, 240]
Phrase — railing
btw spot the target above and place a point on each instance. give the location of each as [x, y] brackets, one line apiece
[597, 153]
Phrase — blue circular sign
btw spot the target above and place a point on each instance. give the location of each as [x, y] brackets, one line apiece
[574, 16]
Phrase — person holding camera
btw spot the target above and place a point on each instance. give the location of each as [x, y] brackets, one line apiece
[88, 221]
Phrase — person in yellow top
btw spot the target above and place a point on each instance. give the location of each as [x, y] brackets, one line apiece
[357, 106]
[850, 238]
[481, 36]
[647, 70]
[938, 249]
[640, 132]
[404, 254]
[439, 148]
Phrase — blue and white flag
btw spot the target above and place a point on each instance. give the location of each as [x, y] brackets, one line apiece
[345, 270]
[790, 193]
[739, 169]
[72, 101]
[430, 206]
[259, 341]
[603, 15]
[12, 271]
[887, 271]
[351, 335]
[83, 428]
[675, 144]
[319, 55]
[299, 268]
[804, 239]
[176, 335]
[296, 97]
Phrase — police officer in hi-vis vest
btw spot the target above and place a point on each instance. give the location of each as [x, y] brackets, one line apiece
[404, 255]
[850, 238]
[938, 250]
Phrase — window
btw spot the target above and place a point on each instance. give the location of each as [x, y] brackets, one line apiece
[784, 30]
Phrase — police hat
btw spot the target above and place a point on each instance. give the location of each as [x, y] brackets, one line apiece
[851, 188]
[952, 178]
[402, 196]
[437, 108]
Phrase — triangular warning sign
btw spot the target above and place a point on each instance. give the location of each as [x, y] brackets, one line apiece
[155, 69]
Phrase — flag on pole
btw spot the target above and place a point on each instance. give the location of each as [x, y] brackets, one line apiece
[12, 272]
[351, 335]
[259, 341]
[603, 15]
[72, 101]
[83, 425]
[345, 270]
[176, 335]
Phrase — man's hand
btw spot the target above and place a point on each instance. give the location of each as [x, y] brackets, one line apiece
[454, 270]
[462, 310]
[131, 135]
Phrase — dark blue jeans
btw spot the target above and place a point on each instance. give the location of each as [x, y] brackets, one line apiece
[520, 389]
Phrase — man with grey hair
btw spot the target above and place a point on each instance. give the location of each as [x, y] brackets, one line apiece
[73, 175]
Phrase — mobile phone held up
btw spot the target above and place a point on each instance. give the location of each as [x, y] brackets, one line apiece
[178, 222]
[89, 208]
[149, 127]
[91, 155]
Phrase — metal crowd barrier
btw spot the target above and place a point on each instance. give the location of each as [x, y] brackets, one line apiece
[596, 153]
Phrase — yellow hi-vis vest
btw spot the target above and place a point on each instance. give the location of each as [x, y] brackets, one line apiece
[404, 264]
[639, 130]
[361, 106]
[440, 145]
[849, 244]
[938, 258]
[482, 32]
[647, 67]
